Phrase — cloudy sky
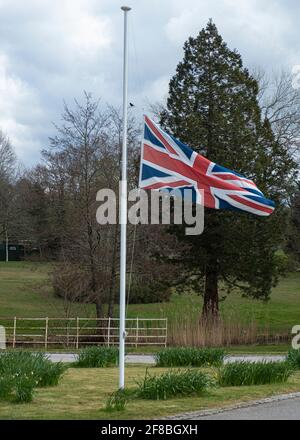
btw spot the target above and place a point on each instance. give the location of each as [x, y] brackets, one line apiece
[52, 50]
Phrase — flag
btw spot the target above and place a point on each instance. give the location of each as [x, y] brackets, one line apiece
[168, 164]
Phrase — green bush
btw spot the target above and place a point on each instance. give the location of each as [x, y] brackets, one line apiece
[116, 401]
[147, 293]
[293, 358]
[253, 373]
[37, 366]
[95, 357]
[189, 357]
[23, 389]
[18, 387]
[6, 386]
[173, 383]
[21, 372]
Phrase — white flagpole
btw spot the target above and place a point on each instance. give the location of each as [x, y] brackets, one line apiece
[123, 212]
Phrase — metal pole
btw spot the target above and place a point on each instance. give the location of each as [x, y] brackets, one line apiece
[123, 213]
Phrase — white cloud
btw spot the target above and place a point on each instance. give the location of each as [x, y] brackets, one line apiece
[54, 49]
[19, 107]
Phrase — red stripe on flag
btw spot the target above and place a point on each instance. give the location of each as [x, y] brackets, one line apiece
[160, 136]
[196, 174]
[251, 204]
[170, 184]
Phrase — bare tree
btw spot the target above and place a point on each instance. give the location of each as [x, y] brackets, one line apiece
[8, 173]
[280, 104]
[8, 159]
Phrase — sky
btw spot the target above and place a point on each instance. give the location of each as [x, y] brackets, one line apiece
[53, 50]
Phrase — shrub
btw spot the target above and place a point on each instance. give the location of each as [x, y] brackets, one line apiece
[23, 389]
[95, 357]
[293, 358]
[146, 292]
[37, 366]
[173, 383]
[18, 388]
[21, 372]
[6, 386]
[189, 357]
[116, 401]
[253, 373]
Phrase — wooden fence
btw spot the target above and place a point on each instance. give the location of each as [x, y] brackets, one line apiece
[78, 332]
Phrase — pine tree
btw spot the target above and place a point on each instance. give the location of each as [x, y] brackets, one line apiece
[213, 107]
[293, 239]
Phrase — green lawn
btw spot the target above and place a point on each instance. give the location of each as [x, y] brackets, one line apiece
[25, 291]
[82, 394]
[280, 313]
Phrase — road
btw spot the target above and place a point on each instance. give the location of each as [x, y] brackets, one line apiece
[284, 407]
[149, 359]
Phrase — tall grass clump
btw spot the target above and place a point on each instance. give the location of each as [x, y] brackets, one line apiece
[97, 357]
[253, 373]
[21, 372]
[293, 358]
[189, 357]
[173, 383]
[116, 401]
[35, 365]
[193, 332]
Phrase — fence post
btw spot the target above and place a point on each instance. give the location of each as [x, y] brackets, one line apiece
[46, 332]
[14, 331]
[166, 335]
[137, 332]
[77, 333]
[108, 332]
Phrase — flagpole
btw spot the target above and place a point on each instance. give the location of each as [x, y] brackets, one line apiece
[123, 212]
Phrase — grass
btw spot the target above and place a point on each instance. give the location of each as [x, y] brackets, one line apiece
[82, 394]
[116, 401]
[173, 383]
[34, 365]
[22, 372]
[95, 357]
[189, 357]
[279, 349]
[25, 292]
[293, 358]
[254, 373]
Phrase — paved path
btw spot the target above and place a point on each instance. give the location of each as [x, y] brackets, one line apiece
[149, 359]
[130, 358]
[282, 407]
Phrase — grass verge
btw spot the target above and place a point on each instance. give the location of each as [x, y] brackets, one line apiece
[82, 394]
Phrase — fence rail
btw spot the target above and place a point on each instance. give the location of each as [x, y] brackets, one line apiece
[78, 332]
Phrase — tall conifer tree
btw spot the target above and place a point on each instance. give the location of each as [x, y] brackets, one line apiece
[213, 107]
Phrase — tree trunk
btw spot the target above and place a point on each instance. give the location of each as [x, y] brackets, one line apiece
[99, 310]
[210, 310]
[6, 245]
[100, 322]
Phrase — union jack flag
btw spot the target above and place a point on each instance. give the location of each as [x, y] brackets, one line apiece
[168, 164]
